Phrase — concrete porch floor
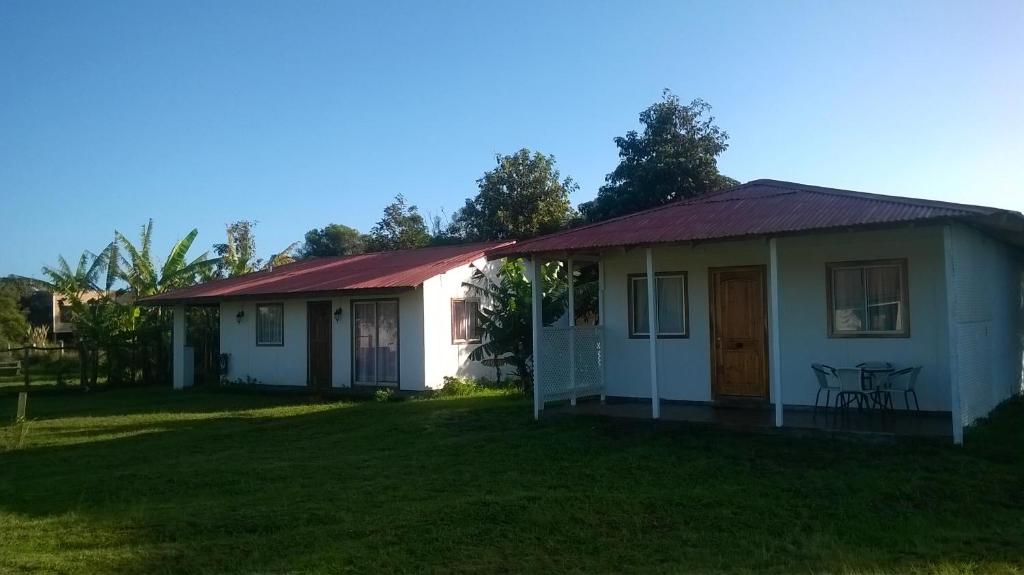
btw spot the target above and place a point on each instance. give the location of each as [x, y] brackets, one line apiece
[890, 423]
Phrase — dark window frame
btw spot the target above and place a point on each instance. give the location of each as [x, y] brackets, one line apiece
[631, 280]
[256, 324]
[904, 269]
[467, 340]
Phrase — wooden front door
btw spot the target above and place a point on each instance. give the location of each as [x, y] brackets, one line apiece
[738, 340]
[318, 318]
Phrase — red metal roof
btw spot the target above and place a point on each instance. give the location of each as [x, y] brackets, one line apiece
[757, 208]
[374, 271]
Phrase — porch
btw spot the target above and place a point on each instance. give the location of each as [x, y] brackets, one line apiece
[799, 420]
[723, 333]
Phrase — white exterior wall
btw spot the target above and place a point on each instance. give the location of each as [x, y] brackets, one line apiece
[443, 357]
[684, 365]
[987, 318]
[426, 352]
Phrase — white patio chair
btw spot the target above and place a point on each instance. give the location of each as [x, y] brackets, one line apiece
[901, 381]
[827, 382]
[851, 388]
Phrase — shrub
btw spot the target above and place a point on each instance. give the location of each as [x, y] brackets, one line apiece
[384, 394]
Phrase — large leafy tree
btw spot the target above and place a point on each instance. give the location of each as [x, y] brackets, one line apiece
[675, 157]
[332, 240]
[523, 196]
[402, 227]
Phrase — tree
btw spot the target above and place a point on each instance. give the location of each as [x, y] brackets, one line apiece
[238, 254]
[506, 323]
[674, 158]
[332, 240]
[140, 272]
[402, 227]
[520, 198]
[13, 325]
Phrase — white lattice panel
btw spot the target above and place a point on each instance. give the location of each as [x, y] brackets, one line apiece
[561, 350]
[588, 348]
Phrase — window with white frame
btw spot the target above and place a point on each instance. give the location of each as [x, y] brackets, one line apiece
[270, 324]
[465, 321]
[671, 311]
[868, 299]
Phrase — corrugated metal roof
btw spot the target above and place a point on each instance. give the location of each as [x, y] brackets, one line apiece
[374, 271]
[757, 208]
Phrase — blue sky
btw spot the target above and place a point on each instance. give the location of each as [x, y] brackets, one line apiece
[299, 114]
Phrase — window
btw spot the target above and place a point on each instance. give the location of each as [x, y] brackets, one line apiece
[66, 315]
[269, 324]
[465, 321]
[670, 289]
[868, 299]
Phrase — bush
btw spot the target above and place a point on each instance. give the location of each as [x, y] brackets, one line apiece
[384, 394]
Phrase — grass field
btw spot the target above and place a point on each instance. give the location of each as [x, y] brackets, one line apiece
[152, 481]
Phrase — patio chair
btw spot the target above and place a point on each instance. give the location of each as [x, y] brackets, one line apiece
[901, 381]
[851, 388]
[827, 382]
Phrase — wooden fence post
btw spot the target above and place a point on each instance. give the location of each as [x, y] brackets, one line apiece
[24, 364]
[22, 405]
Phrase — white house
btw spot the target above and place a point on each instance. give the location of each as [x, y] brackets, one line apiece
[755, 283]
[402, 319]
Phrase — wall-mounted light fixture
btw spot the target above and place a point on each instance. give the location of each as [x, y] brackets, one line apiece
[240, 315]
[337, 315]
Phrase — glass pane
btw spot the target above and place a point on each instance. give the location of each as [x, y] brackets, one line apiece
[884, 298]
[459, 321]
[671, 320]
[473, 320]
[387, 342]
[848, 299]
[269, 324]
[640, 306]
[364, 320]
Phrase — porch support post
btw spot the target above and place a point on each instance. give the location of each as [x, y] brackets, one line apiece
[652, 328]
[601, 320]
[537, 309]
[774, 320]
[178, 347]
[953, 333]
[571, 286]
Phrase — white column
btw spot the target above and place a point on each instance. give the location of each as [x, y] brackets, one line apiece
[953, 333]
[775, 321]
[571, 286]
[601, 321]
[652, 328]
[537, 309]
[178, 347]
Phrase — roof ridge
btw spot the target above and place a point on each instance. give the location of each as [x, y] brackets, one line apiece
[634, 214]
[899, 200]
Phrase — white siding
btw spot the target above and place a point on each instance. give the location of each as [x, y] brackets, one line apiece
[272, 365]
[442, 357]
[286, 365]
[684, 368]
[804, 310]
[987, 314]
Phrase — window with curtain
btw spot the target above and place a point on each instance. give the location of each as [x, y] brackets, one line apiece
[465, 321]
[670, 291]
[270, 324]
[868, 299]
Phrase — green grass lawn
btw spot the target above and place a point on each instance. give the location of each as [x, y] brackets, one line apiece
[153, 481]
